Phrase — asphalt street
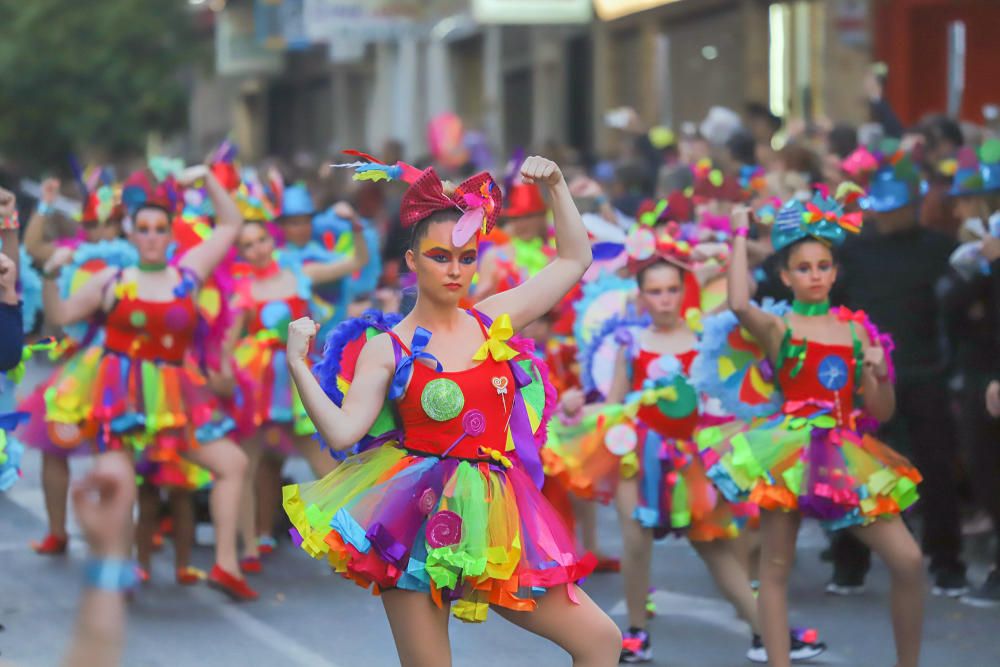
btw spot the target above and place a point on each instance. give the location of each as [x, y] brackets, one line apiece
[308, 618]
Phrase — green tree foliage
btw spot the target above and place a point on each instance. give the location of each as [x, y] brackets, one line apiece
[80, 75]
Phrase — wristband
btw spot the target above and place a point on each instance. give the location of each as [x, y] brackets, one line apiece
[742, 232]
[111, 574]
[44, 208]
[571, 420]
[10, 222]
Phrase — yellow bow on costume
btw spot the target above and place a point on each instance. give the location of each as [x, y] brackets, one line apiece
[127, 290]
[496, 343]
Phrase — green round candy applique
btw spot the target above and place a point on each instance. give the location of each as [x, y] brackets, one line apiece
[442, 399]
[137, 319]
[686, 403]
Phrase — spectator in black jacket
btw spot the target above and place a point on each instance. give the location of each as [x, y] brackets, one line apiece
[891, 272]
[972, 309]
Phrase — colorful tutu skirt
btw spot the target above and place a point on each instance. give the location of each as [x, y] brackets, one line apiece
[472, 533]
[814, 466]
[160, 410]
[61, 423]
[676, 496]
[585, 460]
[272, 399]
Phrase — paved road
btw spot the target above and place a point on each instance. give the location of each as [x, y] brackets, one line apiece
[308, 618]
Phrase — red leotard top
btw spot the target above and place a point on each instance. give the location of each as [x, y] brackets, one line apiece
[272, 315]
[466, 407]
[151, 330]
[825, 380]
[651, 415]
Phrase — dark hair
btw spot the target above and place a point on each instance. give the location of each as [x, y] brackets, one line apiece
[756, 110]
[938, 128]
[843, 139]
[785, 254]
[742, 147]
[640, 276]
[419, 230]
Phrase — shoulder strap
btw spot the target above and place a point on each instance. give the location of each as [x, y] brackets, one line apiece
[398, 345]
[483, 320]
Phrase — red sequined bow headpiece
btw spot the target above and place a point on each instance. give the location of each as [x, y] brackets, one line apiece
[478, 198]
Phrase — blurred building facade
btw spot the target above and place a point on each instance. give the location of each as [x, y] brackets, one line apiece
[322, 75]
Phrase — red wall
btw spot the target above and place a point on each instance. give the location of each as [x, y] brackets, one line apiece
[911, 37]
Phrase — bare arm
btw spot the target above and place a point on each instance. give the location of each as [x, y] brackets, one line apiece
[340, 427]
[9, 237]
[539, 294]
[80, 306]
[203, 258]
[34, 239]
[876, 387]
[766, 328]
[321, 273]
[103, 502]
[619, 383]
[34, 236]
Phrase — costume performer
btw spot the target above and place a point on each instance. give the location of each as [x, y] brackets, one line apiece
[446, 513]
[268, 298]
[144, 398]
[814, 457]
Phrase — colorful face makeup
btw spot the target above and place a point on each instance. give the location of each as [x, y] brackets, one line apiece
[436, 252]
[444, 272]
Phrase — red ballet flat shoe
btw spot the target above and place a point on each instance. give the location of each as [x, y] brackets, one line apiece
[189, 576]
[250, 565]
[236, 588]
[143, 574]
[51, 546]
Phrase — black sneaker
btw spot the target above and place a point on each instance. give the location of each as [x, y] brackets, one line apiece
[805, 645]
[987, 595]
[950, 581]
[636, 647]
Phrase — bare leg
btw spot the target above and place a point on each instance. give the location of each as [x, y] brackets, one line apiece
[182, 509]
[227, 462]
[723, 559]
[419, 628]
[55, 483]
[586, 516]
[319, 460]
[637, 553]
[779, 531]
[149, 519]
[892, 541]
[268, 492]
[248, 503]
[582, 630]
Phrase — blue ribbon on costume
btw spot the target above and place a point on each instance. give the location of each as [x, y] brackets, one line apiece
[404, 370]
[648, 511]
